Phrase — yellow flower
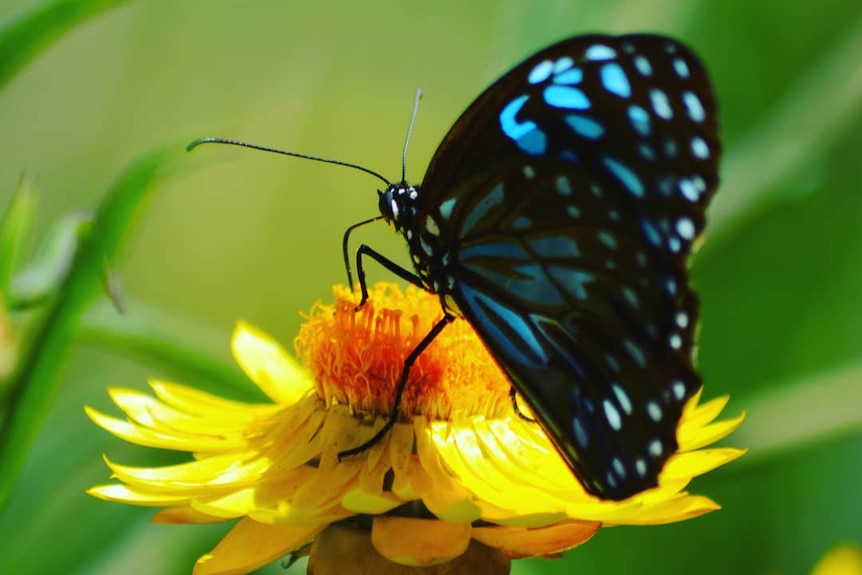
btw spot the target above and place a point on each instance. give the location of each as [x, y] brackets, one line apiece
[841, 560]
[465, 474]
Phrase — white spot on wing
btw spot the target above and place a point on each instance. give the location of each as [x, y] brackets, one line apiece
[685, 228]
[541, 72]
[654, 411]
[622, 398]
[619, 468]
[431, 226]
[599, 52]
[612, 415]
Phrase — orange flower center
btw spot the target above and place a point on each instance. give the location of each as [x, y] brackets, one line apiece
[356, 357]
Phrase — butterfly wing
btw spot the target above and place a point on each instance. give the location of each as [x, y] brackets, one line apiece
[568, 197]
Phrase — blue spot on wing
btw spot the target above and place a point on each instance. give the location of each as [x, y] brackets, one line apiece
[526, 282]
[639, 119]
[585, 126]
[511, 126]
[533, 143]
[506, 327]
[572, 280]
[482, 207]
[499, 250]
[566, 97]
[625, 175]
[563, 247]
[615, 81]
[573, 76]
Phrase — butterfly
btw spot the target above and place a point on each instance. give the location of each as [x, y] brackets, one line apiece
[557, 217]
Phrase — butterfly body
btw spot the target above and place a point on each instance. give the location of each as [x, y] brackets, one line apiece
[557, 217]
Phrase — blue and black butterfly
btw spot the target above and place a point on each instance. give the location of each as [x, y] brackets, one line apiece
[557, 217]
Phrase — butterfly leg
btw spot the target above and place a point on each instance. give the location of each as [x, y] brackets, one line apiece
[513, 393]
[399, 390]
[345, 242]
[365, 250]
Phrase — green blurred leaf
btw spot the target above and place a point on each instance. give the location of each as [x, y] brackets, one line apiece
[34, 385]
[23, 39]
[168, 341]
[41, 278]
[14, 225]
[773, 162]
[817, 406]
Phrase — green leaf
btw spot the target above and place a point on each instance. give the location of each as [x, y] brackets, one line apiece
[14, 225]
[23, 39]
[35, 383]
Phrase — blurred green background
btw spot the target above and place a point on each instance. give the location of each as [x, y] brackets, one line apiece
[239, 234]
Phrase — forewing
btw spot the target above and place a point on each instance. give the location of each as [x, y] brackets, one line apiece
[570, 194]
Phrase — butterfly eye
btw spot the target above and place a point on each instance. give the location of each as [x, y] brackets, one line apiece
[387, 204]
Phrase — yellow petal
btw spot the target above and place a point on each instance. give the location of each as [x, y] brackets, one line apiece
[419, 542]
[411, 481]
[678, 508]
[206, 476]
[184, 514]
[127, 494]
[359, 501]
[197, 402]
[449, 499]
[518, 542]
[150, 438]
[694, 463]
[250, 545]
[462, 452]
[266, 363]
[698, 415]
[233, 504]
[708, 434]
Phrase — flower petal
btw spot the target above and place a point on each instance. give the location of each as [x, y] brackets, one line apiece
[184, 514]
[518, 542]
[841, 560]
[666, 510]
[691, 439]
[266, 363]
[204, 477]
[164, 440]
[128, 494]
[694, 463]
[250, 545]
[197, 402]
[419, 542]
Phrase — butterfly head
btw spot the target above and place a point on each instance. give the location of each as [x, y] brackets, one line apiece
[398, 204]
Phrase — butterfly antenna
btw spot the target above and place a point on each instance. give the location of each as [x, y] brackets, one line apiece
[409, 134]
[200, 141]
